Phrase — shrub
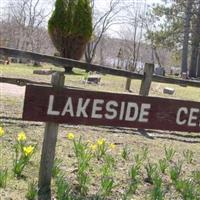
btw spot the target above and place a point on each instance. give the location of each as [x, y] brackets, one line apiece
[70, 27]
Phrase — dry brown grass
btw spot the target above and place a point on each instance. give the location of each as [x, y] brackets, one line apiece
[11, 106]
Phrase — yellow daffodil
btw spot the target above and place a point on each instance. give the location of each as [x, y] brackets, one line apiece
[28, 150]
[93, 147]
[101, 141]
[112, 146]
[2, 132]
[21, 136]
[70, 136]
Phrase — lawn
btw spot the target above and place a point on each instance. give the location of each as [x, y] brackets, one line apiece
[126, 164]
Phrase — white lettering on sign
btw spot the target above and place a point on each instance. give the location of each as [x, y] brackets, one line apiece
[130, 115]
[99, 109]
[50, 110]
[122, 111]
[97, 106]
[110, 107]
[68, 108]
[193, 117]
[189, 117]
[179, 120]
[81, 110]
[111, 110]
[144, 112]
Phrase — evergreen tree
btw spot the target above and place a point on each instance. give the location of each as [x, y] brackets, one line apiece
[178, 30]
[70, 27]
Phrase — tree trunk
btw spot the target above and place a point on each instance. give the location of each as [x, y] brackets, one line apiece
[188, 15]
[68, 70]
[195, 45]
[157, 56]
[88, 61]
[194, 61]
[198, 65]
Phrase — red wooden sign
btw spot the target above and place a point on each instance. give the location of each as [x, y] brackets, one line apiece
[71, 106]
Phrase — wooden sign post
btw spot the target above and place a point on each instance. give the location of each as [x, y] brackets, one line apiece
[48, 148]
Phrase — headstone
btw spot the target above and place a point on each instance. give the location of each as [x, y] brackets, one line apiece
[160, 71]
[24, 60]
[14, 60]
[170, 91]
[184, 75]
[43, 72]
[94, 79]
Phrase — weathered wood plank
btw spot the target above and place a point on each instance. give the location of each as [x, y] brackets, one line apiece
[63, 62]
[20, 81]
[24, 82]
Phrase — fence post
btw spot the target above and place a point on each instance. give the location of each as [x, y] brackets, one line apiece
[146, 82]
[128, 84]
[145, 88]
[48, 148]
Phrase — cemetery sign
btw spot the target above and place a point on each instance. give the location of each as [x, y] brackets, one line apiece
[75, 107]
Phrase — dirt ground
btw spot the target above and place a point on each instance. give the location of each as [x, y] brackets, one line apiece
[11, 98]
[11, 90]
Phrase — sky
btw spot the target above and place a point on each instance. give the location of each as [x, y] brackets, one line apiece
[102, 5]
[115, 30]
[99, 1]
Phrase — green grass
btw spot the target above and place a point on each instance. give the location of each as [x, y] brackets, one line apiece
[129, 138]
[64, 151]
[108, 82]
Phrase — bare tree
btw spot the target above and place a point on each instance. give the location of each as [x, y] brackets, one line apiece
[133, 35]
[151, 36]
[24, 24]
[102, 22]
[198, 65]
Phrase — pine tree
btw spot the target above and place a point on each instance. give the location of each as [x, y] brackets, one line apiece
[179, 30]
[70, 28]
